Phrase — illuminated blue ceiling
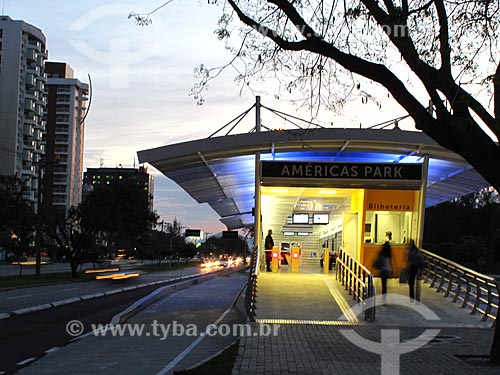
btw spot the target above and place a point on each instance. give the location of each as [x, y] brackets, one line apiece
[221, 171]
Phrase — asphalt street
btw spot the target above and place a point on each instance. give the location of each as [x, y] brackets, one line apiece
[18, 298]
[158, 350]
[26, 337]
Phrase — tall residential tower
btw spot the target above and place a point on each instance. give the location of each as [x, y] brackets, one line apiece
[22, 102]
[64, 138]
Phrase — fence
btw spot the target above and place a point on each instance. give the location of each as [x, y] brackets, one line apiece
[474, 290]
[251, 287]
[358, 281]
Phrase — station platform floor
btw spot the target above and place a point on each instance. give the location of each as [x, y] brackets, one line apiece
[319, 330]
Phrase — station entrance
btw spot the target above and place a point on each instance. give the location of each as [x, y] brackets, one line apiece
[312, 220]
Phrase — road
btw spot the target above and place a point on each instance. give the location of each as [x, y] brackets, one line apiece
[30, 335]
[13, 270]
[17, 298]
[26, 339]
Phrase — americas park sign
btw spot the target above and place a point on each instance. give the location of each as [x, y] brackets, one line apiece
[342, 171]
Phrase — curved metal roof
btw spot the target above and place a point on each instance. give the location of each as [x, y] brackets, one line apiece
[220, 171]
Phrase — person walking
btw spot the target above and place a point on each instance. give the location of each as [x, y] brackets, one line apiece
[384, 264]
[269, 244]
[415, 264]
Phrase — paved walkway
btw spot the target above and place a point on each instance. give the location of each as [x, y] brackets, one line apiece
[317, 334]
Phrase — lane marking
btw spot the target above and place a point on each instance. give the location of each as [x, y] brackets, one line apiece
[23, 296]
[341, 301]
[51, 350]
[26, 361]
[186, 351]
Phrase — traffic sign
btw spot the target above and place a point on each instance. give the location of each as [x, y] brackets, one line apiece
[192, 233]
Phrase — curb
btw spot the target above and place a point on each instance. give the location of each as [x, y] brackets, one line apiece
[87, 297]
[162, 292]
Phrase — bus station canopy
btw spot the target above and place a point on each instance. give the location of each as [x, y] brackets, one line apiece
[220, 170]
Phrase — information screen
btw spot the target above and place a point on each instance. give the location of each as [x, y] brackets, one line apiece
[320, 218]
[300, 219]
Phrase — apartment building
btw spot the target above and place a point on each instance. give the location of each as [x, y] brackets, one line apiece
[107, 176]
[64, 137]
[22, 102]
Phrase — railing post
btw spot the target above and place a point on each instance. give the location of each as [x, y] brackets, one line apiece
[434, 272]
[487, 311]
[450, 280]
[478, 296]
[467, 291]
[459, 286]
[441, 282]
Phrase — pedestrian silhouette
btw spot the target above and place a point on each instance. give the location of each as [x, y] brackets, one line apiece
[269, 244]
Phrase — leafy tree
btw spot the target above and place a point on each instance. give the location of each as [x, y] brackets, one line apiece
[175, 238]
[17, 217]
[74, 233]
[472, 251]
[472, 218]
[187, 250]
[494, 245]
[220, 246]
[150, 245]
[115, 215]
[473, 214]
[121, 213]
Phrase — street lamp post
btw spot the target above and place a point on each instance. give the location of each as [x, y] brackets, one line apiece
[171, 252]
[161, 242]
[172, 236]
[38, 238]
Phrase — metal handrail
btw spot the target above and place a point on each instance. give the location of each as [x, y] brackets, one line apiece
[473, 289]
[251, 287]
[358, 281]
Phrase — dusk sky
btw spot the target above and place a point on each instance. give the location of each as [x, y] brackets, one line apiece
[142, 77]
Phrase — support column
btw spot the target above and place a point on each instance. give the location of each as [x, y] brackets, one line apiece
[423, 194]
[257, 209]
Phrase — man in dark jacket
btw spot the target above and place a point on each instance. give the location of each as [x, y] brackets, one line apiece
[269, 244]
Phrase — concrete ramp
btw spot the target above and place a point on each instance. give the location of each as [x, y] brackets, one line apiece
[301, 299]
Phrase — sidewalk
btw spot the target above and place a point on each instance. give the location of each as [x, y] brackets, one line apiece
[316, 338]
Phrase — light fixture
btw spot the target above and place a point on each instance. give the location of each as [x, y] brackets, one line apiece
[328, 192]
[302, 234]
[279, 190]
